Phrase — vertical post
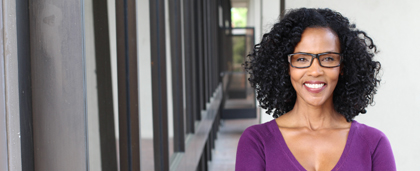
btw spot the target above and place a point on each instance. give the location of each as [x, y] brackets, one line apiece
[200, 58]
[209, 65]
[210, 143]
[3, 128]
[229, 37]
[104, 86]
[206, 156]
[177, 80]
[222, 41]
[25, 87]
[216, 57]
[58, 85]
[215, 25]
[11, 90]
[194, 58]
[211, 43]
[206, 52]
[158, 63]
[209, 54]
[189, 60]
[127, 85]
[282, 8]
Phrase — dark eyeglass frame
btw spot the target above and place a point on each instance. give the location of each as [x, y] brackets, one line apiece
[315, 56]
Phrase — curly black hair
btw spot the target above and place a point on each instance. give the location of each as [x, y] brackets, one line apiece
[268, 65]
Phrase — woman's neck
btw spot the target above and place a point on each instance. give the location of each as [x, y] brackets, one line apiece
[315, 117]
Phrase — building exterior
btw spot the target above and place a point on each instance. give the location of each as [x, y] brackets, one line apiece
[122, 85]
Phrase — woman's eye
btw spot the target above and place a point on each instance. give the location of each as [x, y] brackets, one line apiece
[301, 60]
[328, 59]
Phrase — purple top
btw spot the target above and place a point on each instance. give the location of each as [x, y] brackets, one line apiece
[262, 147]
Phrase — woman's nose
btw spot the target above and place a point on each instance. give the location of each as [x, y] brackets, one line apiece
[315, 69]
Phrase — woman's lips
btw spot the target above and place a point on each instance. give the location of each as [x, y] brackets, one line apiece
[314, 86]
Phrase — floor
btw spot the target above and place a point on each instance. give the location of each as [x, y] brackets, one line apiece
[224, 153]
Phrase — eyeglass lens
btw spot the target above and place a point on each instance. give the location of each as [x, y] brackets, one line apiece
[305, 60]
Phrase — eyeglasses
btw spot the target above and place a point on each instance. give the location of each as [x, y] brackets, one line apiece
[304, 60]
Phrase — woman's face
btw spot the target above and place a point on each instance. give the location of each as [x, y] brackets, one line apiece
[315, 85]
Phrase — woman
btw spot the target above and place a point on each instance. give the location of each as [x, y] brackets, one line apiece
[314, 71]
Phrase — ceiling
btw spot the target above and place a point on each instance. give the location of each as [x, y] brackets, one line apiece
[239, 3]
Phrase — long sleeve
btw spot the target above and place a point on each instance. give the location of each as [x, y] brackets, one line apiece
[382, 157]
[250, 152]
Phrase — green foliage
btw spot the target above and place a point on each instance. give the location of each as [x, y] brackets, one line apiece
[239, 16]
[238, 52]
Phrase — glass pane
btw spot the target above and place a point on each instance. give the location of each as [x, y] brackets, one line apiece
[240, 97]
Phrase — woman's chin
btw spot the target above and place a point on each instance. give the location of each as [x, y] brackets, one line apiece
[315, 101]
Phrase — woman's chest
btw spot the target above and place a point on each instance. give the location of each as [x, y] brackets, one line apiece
[316, 150]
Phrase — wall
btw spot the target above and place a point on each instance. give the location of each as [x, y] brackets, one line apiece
[393, 28]
[270, 12]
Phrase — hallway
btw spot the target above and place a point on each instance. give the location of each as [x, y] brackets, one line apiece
[224, 153]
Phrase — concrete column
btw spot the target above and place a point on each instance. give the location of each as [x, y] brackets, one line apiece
[58, 84]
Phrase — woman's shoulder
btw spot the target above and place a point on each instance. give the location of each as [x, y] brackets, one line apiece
[369, 134]
[374, 141]
[260, 131]
[367, 131]
[253, 145]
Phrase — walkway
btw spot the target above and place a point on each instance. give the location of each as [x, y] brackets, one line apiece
[224, 153]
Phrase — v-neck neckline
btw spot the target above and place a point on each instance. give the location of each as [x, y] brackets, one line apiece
[293, 159]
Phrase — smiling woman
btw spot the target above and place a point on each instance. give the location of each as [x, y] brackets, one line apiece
[315, 71]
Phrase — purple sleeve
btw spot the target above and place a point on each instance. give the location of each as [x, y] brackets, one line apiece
[250, 152]
[382, 157]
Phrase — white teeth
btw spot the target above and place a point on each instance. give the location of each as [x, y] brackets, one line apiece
[314, 85]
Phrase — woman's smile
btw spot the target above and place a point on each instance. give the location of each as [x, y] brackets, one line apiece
[315, 86]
